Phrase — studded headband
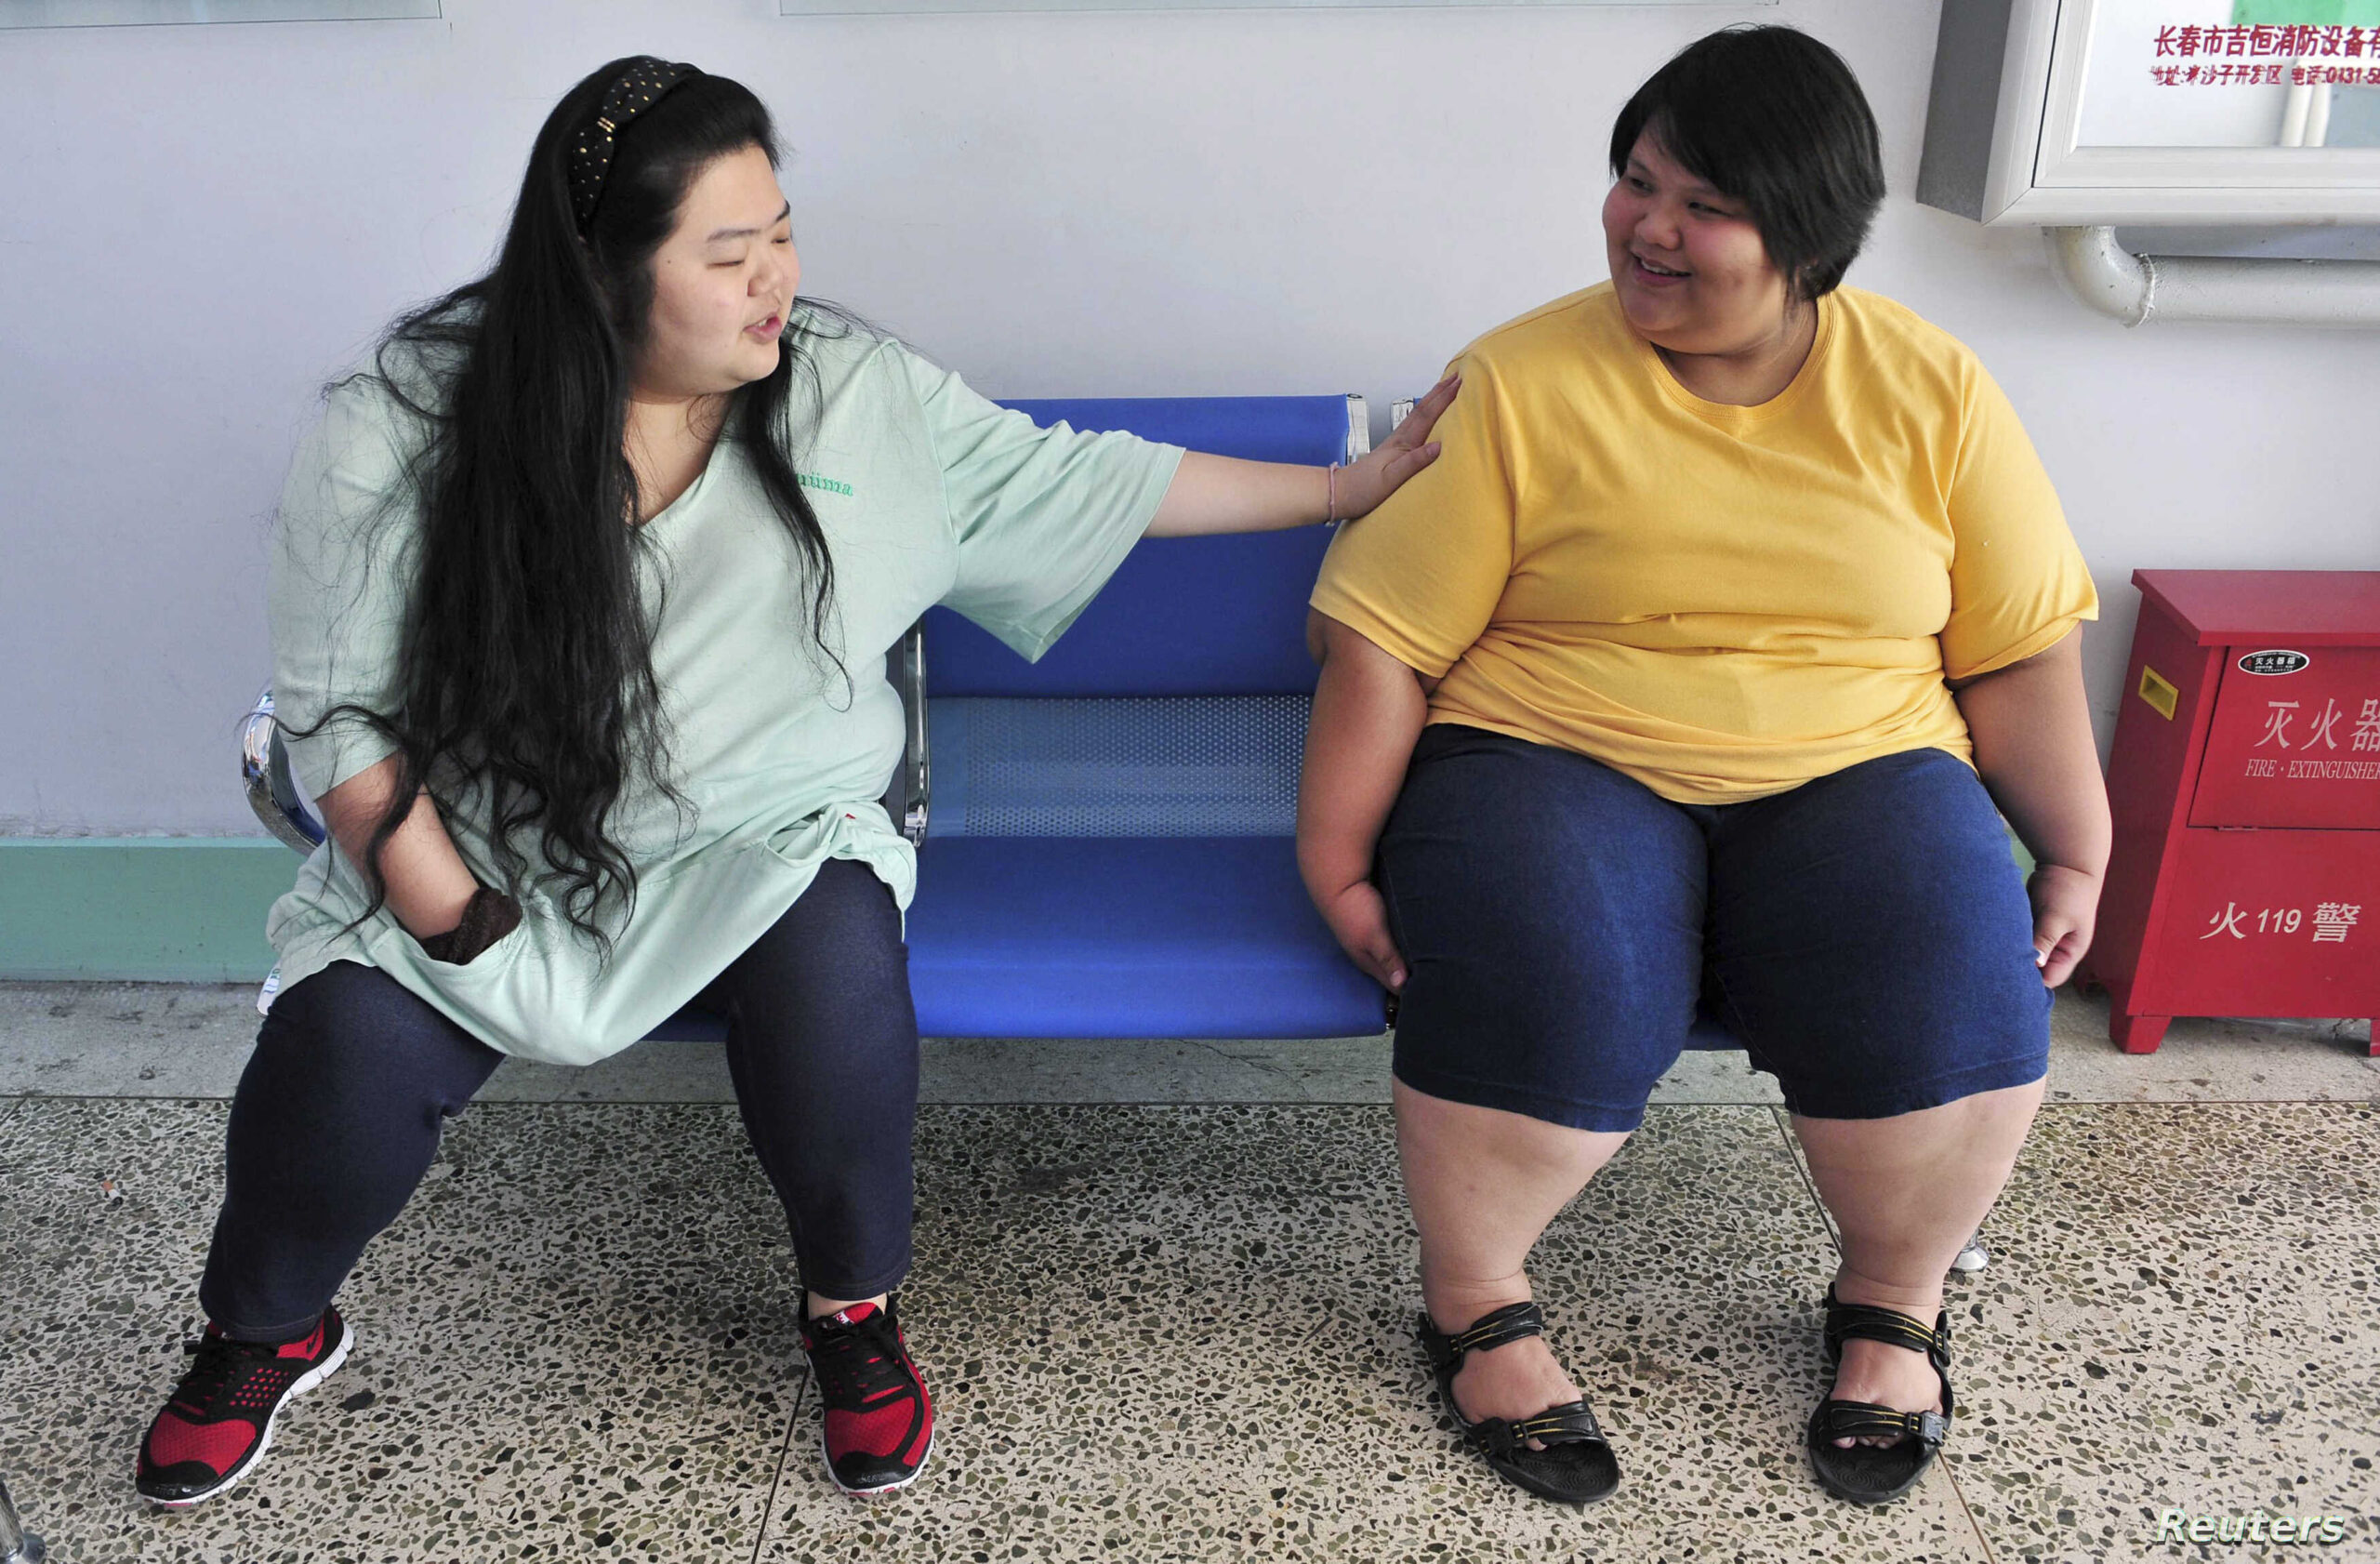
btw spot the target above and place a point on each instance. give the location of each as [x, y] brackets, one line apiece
[643, 83]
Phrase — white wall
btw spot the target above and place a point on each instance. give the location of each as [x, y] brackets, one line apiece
[198, 224]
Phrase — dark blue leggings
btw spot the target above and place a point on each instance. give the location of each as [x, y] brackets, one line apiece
[338, 1113]
[1865, 935]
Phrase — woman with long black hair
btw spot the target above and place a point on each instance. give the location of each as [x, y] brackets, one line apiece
[580, 602]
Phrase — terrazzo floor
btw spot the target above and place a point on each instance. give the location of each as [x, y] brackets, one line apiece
[1171, 1330]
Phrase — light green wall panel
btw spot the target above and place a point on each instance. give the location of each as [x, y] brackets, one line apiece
[164, 910]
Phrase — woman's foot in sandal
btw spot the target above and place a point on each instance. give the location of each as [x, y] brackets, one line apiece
[1881, 1375]
[1877, 1430]
[1885, 1373]
[1515, 1381]
[1516, 1406]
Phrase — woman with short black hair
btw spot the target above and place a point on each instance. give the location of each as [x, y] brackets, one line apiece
[1687, 680]
[1776, 119]
[580, 603]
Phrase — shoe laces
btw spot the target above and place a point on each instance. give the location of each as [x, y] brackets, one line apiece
[860, 1360]
[217, 1363]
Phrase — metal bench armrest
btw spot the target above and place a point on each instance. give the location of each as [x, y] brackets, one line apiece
[1359, 428]
[911, 796]
[264, 775]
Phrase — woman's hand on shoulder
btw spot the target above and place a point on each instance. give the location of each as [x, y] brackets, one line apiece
[1363, 485]
[2066, 912]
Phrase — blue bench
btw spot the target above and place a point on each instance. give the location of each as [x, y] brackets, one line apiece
[1110, 843]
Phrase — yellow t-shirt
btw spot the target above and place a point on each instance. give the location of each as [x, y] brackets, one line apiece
[1720, 601]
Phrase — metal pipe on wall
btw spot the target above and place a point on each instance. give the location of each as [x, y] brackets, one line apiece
[2136, 288]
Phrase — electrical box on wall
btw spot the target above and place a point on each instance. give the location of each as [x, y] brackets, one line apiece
[2075, 113]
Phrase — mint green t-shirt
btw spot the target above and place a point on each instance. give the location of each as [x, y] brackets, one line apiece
[927, 494]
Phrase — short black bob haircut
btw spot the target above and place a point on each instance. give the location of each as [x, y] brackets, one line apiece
[1773, 118]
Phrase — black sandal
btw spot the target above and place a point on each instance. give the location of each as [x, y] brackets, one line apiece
[1575, 1467]
[1871, 1473]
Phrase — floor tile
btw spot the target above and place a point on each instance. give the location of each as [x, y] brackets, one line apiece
[1718, 1076]
[1155, 1070]
[141, 1039]
[650, 1072]
[2179, 1315]
[1184, 1334]
[146, 1039]
[562, 1352]
[1176, 1332]
[2208, 1059]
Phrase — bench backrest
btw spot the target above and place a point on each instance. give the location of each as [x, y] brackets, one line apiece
[1176, 705]
[1182, 616]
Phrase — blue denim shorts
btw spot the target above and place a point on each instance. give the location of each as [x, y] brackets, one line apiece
[1866, 935]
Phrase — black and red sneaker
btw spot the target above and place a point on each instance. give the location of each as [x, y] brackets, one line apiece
[219, 1422]
[879, 1420]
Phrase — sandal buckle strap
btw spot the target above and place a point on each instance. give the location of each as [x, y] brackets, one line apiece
[1574, 1419]
[1586, 1472]
[1849, 1420]
[1569, 1423]
[1860, 1321]
[1512, 1323]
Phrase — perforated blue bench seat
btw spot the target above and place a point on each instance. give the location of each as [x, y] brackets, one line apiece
[1109, 850]
[1126, 936]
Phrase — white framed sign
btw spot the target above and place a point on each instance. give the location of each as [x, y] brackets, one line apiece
[2074, 113]
[152, 13]
[906, 8]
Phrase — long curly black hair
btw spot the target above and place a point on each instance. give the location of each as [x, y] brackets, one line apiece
[525, 679]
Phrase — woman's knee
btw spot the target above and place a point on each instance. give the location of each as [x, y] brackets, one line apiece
[1553, 965]
[835, 958]
[352, 1036]
[1990, 1117]
[1457, 1134]
[1871, 944]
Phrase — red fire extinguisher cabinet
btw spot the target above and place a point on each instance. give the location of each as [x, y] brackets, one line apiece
[2246, 782]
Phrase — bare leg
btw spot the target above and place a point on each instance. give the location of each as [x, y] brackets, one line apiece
[1483, 1183]
[1905, 1193]
[818, 1306]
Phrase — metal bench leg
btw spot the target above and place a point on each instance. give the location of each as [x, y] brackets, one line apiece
[17, 1546]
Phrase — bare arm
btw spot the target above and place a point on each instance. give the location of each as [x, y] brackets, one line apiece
[1369, 710]
[2034, 751]
[427, 882]
[1222, 494]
